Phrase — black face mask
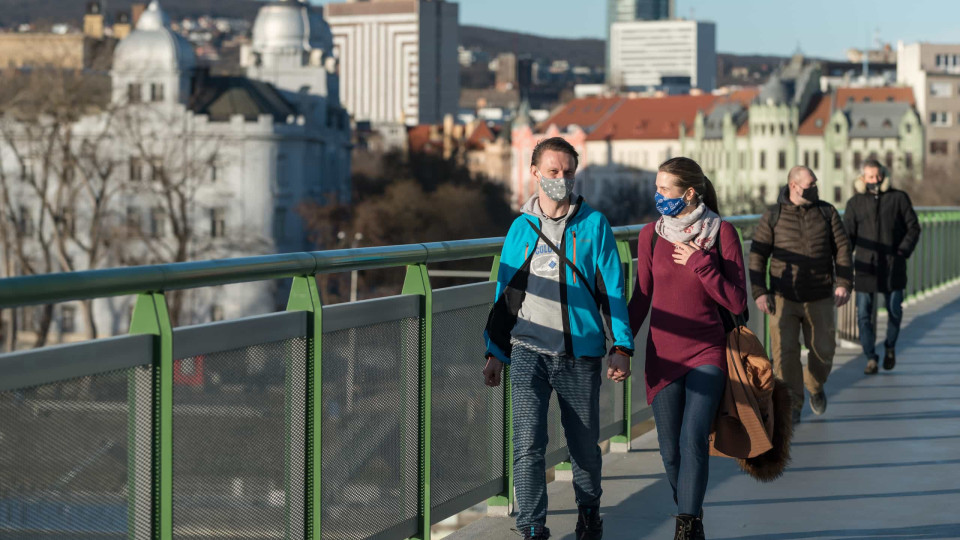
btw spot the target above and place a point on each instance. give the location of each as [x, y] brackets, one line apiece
[873, 188]
[811, 194]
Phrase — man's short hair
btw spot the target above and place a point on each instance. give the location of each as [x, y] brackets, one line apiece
[795, 172]
[876, 165]
[557, 144]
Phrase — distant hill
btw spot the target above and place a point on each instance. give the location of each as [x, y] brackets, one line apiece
[71, 11]
[579, 52]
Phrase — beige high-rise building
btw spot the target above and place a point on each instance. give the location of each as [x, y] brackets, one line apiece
[398, 59]
[933, 70]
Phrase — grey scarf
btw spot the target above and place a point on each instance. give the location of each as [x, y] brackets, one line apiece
[701, 226]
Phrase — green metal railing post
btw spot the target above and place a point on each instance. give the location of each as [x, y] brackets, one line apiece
[417, 281]
[150, 317]
[623, 248]
[505, 498]
[304, 296]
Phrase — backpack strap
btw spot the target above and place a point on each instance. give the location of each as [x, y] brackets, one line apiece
[565, 260]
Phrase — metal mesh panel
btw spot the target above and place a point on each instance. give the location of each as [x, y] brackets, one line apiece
[68, 458]
[370, 428]
[467, 419]
[238, 470]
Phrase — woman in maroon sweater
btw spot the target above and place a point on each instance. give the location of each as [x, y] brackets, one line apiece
[691, 269]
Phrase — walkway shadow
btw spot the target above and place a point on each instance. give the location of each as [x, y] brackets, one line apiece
[946, 530]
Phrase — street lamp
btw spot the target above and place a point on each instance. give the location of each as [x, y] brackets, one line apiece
[357, 237]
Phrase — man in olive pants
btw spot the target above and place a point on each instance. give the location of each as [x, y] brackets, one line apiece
[811, 274]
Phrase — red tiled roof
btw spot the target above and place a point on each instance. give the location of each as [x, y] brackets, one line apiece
[584, 112]
[874, 95]
[418, 138]
[816, 122]
[480, 137]
[743, 96]
[652, 118]
[823, 106]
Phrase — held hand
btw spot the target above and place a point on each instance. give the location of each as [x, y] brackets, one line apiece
[841, 296]
[682, 252]
[765, 304]
[491, 372]
[618, 366]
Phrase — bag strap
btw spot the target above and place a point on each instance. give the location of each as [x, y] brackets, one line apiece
[565, 260]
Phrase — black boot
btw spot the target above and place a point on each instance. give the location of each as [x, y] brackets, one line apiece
[689, 528]
[889, 359]
[536, 533]
[589, 524]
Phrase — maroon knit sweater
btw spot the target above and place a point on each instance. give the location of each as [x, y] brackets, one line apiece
[685, 326]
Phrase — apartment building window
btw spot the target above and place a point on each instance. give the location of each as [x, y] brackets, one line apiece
[156, 170]
[816, 159]
[938, 147]
[133, 220]
[782, 160]
[25, 221]
[908, 160]
[763, 193]
[158, 222]
[888, 160]
[218, 222]
[806, 158]
[136, 169]
[783, 129]
[836, 128]
[857, 160]
[68, 317]
[837, 194]
[941, 89]
[214, 172]
[134, 93]
[156, 92]
[837, 161]
[763, 160]
[939, 119]
[280, 223]
[282, 169]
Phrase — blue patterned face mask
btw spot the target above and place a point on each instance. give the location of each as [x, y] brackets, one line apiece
[669, 207]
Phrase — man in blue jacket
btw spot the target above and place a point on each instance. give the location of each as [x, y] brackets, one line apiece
[560, 282]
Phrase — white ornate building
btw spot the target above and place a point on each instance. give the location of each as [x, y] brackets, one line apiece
[250, 150]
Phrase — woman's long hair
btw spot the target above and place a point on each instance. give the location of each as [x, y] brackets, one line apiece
[690, 175]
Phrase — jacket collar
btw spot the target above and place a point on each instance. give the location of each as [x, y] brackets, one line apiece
[861, 186]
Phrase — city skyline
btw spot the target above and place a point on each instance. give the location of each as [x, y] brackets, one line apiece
[743, 26]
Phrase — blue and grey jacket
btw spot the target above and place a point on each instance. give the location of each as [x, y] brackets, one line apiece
[589, 244]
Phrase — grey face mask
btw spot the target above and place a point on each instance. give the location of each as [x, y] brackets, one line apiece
[557, 189]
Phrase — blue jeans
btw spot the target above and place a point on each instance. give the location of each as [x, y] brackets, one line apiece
[533, 377]
[684, 412]
[868, 335]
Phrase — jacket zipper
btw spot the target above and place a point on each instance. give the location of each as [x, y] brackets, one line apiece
[526, 250]
[574, 255]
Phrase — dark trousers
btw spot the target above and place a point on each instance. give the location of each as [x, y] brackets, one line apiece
[894, 303]
[533, 377]
[684, 413]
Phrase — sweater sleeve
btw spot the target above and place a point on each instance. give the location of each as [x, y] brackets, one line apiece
[727, 285]
[639, 304]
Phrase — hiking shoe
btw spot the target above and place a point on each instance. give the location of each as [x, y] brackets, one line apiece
[589, 524]
[796, 416]
[871, 368]
[533, 533]
[889, 359]
[688, 528]
[818, 403]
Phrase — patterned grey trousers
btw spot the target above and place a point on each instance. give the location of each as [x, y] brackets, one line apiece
[533, 377]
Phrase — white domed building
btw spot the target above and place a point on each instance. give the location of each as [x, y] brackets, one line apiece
[247, 152]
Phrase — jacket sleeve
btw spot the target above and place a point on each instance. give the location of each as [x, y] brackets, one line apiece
[850, 224]
[611, 269]
[910, 219]
[760, 250]
[502, 271]
[643, 286]
[843, 258]
[727, 285]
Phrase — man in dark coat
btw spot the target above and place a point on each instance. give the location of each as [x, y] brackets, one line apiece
[883, 230]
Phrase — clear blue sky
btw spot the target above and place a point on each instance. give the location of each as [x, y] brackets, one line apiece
[822, 28]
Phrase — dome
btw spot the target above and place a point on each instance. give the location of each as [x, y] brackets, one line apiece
[290, 24]
[152, 46]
